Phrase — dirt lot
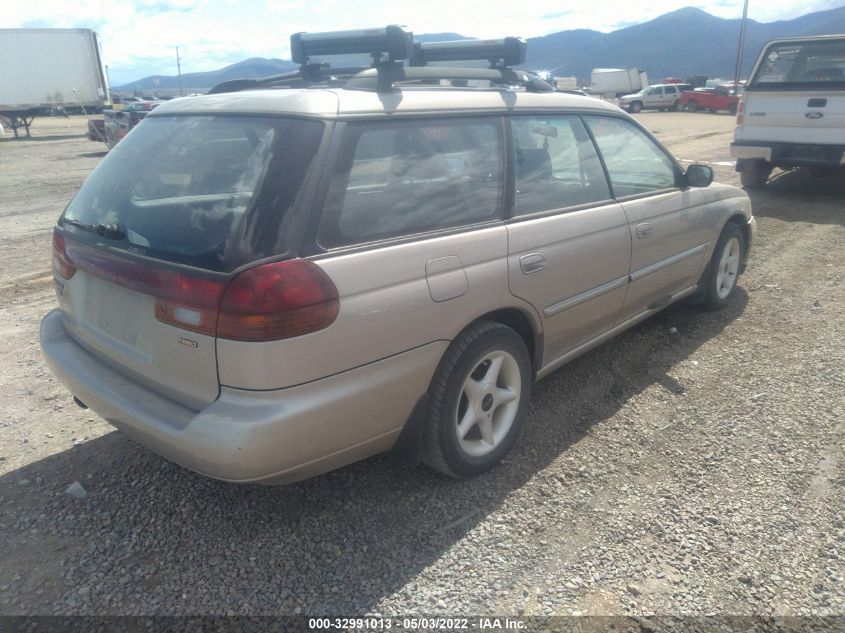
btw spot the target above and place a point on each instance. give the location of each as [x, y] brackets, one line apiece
[695, 464]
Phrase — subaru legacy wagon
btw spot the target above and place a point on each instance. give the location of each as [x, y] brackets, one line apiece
[294, 273]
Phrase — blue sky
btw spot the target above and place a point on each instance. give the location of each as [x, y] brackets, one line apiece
[139, 36]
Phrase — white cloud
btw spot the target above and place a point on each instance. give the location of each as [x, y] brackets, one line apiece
[139, 37]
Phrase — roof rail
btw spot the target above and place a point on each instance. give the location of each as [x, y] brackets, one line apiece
[372, 80]
[508, 51]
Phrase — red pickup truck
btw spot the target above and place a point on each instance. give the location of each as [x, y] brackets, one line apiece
[713, 99]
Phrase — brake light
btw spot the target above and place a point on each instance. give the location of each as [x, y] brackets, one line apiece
[277, 301]
[266, 303]
[61, 264]
[740, 111]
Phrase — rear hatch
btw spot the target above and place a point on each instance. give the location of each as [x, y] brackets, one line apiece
[797, 94]
[145, 251]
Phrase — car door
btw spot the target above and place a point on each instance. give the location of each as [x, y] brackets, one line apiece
[568, 241]
[669, 232]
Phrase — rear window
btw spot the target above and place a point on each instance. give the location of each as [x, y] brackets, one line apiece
[801, 65]
[213, 192]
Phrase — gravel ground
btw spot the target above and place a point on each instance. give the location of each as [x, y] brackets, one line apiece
[693, 465]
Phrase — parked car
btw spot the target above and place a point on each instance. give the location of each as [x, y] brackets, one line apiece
[118, 121]
[266, 284]
[792, 110]
[712, 99]
[656, 97]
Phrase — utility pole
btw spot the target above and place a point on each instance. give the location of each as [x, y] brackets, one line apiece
[179, 65]
[741, 44]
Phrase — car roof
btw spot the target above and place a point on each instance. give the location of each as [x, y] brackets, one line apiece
[339, 102]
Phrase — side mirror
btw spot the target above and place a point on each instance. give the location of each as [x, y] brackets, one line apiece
[699, 175]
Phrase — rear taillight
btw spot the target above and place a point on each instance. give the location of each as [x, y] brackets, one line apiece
[266, 303]
[61, 264]
[277, 301]
[740, 111]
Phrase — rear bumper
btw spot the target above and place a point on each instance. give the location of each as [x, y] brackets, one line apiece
[788, 154]
[249, 436]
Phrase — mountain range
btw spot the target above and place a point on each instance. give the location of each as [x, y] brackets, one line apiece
[685, 42]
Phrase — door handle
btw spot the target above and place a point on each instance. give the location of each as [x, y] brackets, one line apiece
[643, 230]
[532, 263]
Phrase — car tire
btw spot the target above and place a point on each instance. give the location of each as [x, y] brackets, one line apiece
[732, 109]
[692, 105]
[635, 107]
[675, 106]
[755, 174]
[478, 400]
[718, 283]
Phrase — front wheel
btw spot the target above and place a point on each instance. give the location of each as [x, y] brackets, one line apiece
[635, 107]
[718, 283]
[692, 105]
[479, 396]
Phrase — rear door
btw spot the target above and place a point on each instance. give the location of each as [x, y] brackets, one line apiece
[568, 241]
[668, 228]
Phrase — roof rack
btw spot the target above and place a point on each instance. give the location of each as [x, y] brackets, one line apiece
[508, 51]
[389, 47]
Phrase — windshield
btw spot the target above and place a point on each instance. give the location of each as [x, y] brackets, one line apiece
[802, 65]
[213, 192]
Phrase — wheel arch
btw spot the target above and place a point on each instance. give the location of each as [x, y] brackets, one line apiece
[519, 321]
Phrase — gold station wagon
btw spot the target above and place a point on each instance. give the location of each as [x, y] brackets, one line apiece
[290, 274]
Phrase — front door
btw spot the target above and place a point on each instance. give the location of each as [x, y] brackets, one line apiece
[669, 235]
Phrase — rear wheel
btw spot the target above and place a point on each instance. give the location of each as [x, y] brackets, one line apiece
[676, 106]
[755, 174]
[732, 109]
[635, 107]
[692, 105]
[479, 396]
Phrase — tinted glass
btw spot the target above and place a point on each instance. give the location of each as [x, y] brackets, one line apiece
[556, 164]
[809, 64]
[209, 192]
[636, 164]
[399, 178]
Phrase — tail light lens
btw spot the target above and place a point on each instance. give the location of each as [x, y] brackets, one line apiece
[277, 301]
[61, 264]
[266, 303]
[740, 111]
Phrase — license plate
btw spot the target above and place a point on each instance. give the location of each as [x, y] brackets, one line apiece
[114, 310]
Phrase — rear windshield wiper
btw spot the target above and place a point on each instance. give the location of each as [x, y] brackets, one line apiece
[109, 231]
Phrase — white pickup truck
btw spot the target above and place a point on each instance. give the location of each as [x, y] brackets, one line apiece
[793, 111]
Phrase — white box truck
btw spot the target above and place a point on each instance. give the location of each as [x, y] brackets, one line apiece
[49, 68]
[616, 82]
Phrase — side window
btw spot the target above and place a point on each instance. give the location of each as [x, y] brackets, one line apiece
[403, 177]
[670, 90]
[556, 164]
[636, 164]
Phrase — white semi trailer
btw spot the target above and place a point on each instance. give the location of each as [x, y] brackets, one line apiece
[616, 82]
[49, 68]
